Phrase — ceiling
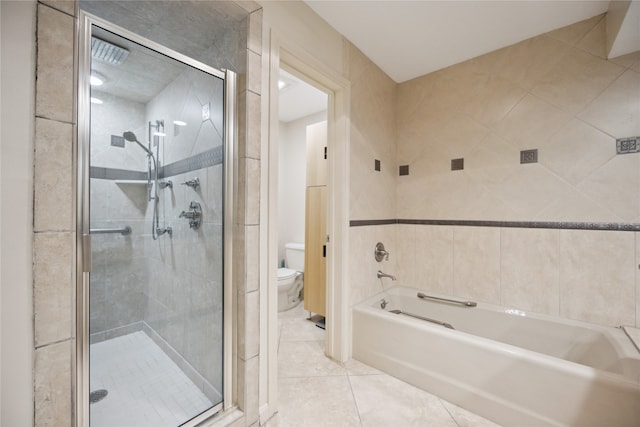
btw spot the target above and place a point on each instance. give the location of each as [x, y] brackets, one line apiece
[408, 39]
[143, 74]
[298, 99]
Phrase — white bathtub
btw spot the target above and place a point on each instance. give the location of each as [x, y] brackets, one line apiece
[515, 368]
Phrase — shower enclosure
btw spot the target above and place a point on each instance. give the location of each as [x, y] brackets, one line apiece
[155, 166]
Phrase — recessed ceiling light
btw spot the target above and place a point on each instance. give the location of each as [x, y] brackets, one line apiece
[95, 100]
[286, 81]
[95, 80]
[179, 123]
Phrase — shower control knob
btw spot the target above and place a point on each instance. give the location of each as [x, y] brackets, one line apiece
[194, 215]
[193, 183]
[380, 252]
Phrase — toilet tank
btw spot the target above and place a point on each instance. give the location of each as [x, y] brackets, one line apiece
[294, 254]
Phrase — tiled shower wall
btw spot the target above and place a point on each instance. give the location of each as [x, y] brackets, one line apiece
[184, 296]
[555, 93]
[117, 270]
[54, 207]
[173, 284]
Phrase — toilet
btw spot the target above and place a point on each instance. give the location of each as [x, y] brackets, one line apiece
[290, 279]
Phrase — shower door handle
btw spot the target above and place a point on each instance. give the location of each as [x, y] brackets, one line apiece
[86, 253]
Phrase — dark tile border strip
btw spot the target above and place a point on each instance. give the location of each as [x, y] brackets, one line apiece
[198, 161]
[361, 222]
[112, 173]
[602, 226]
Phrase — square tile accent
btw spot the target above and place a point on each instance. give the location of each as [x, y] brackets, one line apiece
[117, 141]
[404, 170]
[628, 145]
[529, 156]
[457, 164]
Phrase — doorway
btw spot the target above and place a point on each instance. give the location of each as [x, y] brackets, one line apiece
[337, 340]
[302, 171]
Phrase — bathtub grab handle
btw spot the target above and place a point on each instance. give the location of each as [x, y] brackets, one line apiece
[437, 322]
[465, 303]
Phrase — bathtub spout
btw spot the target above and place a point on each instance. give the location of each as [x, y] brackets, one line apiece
[381, 274]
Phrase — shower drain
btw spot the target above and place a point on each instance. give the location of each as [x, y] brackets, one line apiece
[97, 396]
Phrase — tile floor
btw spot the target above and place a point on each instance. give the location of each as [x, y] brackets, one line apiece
[145, 387]
[316, 391]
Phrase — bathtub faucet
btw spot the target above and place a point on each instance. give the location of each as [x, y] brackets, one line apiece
[381, 274]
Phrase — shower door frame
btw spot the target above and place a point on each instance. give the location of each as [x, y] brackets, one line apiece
[83, 237]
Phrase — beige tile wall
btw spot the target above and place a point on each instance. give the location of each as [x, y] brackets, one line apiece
[52, 384]
[246, 276]
[597, 276]
[54, 233]
[556, 93]
[575, 274]
[363, 267]
[372, 193]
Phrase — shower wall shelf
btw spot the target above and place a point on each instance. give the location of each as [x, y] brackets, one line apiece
[132, 182]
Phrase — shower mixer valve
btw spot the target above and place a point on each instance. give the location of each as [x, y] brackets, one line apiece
[380, 252]
[194, 215]
[167, 230]
[193, 183]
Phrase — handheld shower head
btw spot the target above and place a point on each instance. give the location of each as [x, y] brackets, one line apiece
[131, 137]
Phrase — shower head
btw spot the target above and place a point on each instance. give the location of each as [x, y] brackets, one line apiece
[131, 137]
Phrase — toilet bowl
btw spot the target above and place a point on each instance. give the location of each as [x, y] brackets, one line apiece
[289, 288]
[290, 278]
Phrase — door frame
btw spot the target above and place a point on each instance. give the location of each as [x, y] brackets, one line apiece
[338, 333]
[81, 374]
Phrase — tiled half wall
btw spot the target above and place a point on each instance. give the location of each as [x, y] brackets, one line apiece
[587, 275]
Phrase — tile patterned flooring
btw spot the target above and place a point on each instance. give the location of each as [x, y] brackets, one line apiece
[316, 391]
[145, 387]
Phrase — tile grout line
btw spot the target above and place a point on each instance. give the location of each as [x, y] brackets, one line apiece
[449, 412]
[353, 396]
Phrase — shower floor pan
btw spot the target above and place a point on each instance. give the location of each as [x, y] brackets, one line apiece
[145, 387]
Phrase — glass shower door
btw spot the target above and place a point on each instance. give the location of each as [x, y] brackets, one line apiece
[156, 172]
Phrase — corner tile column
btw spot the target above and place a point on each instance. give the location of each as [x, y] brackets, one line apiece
[54, 233]
[247, 226]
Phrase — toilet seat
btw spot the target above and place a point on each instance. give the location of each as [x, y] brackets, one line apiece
[286, 273]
